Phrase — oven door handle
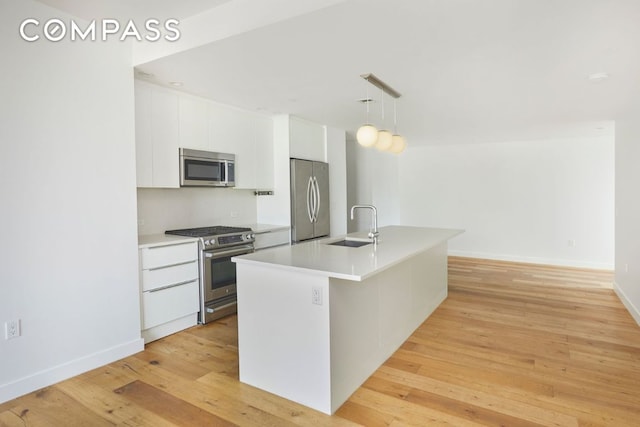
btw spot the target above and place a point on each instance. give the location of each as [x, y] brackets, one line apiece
[229, 252]
[214, 309]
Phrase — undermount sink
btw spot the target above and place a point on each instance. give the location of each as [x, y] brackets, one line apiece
[350, 243]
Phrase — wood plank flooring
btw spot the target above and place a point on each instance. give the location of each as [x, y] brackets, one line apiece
[513, 345]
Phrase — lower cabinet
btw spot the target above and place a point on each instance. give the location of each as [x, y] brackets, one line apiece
[270, 238]
[169, 285]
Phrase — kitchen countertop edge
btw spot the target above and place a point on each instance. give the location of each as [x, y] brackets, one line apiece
[152, 240]
[355, 266]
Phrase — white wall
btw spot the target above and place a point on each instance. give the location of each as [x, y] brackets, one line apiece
[627, 269]
[161, 209]
[336, 157]
[372, 180]
[67, 184]
[522, 201]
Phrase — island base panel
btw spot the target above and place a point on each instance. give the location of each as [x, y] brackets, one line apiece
[318, 355]
[283, 338]
[370, 320]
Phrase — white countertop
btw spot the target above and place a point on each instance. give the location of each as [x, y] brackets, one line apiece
[160, 239]
[151, 240]
[395, 244]
[266, 228]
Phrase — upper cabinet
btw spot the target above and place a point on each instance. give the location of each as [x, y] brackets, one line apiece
[157, 136]
[167, 120]
[263, 134]
[306, 140]
[194, 131]
[233, 131]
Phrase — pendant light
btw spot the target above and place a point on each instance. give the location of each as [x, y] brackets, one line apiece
[367, 134]
[398, 144]
[384, 136]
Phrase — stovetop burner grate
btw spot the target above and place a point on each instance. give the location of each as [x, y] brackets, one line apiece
[207, 231]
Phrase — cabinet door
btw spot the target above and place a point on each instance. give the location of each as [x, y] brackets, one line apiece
[306, 139]
[165, 305]
[144, 138]
[162, 277]
[194, 126]
[232, 131]
[163, 256]
[166, 134]
[245, 150]
[220, 128]
[264, 151]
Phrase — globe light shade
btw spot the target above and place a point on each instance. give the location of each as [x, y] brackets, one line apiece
[367, 135]
[398, 144]
[384, 140]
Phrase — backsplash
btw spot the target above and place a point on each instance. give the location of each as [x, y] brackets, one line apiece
[161, 209]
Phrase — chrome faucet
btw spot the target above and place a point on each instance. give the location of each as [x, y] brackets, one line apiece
[373, 231]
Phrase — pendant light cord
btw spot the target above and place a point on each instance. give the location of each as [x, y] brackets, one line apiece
[367, 100]
[395, 117]
[382, 99]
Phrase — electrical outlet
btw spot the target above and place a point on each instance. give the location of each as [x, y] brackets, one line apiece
[316, 295]
[571, 243]
[234, 214]
[12, 329]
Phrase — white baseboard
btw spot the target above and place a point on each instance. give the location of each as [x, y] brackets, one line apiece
[67, 370]
[633, 310]
[533, 260]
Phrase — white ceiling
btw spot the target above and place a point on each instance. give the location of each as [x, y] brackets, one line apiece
[468, 70]
[138, 10]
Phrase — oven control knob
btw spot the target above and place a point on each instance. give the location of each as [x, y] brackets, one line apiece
[212, 241]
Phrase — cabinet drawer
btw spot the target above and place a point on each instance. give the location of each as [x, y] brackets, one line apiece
[165, 276]
[271, 238]
[169, 304]
[168, 255]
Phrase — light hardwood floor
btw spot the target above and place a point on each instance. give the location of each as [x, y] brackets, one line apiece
[513, 345]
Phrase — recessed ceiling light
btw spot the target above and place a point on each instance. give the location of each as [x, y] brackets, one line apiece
[176, 84]
[598, 77]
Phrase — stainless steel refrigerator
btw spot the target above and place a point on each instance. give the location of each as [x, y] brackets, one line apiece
[309, 199]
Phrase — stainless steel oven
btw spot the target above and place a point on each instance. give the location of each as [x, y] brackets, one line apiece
[217, 273]
[219, 280]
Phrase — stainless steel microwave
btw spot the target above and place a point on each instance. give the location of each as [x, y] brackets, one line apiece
[206, 169]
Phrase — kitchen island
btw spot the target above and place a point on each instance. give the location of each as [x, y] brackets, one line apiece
[315, 320]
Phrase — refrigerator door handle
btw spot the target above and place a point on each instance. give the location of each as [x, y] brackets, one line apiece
[314, 200]
[309, 201]
[317, 188]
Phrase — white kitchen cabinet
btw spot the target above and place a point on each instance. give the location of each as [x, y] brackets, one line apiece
[222, 124]
[270, 238]
[263, 134]
[306, 140]
[233, 131]
[169, 286]
[194, 126]
[167, 120]
[157, 136]
[144, 142]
